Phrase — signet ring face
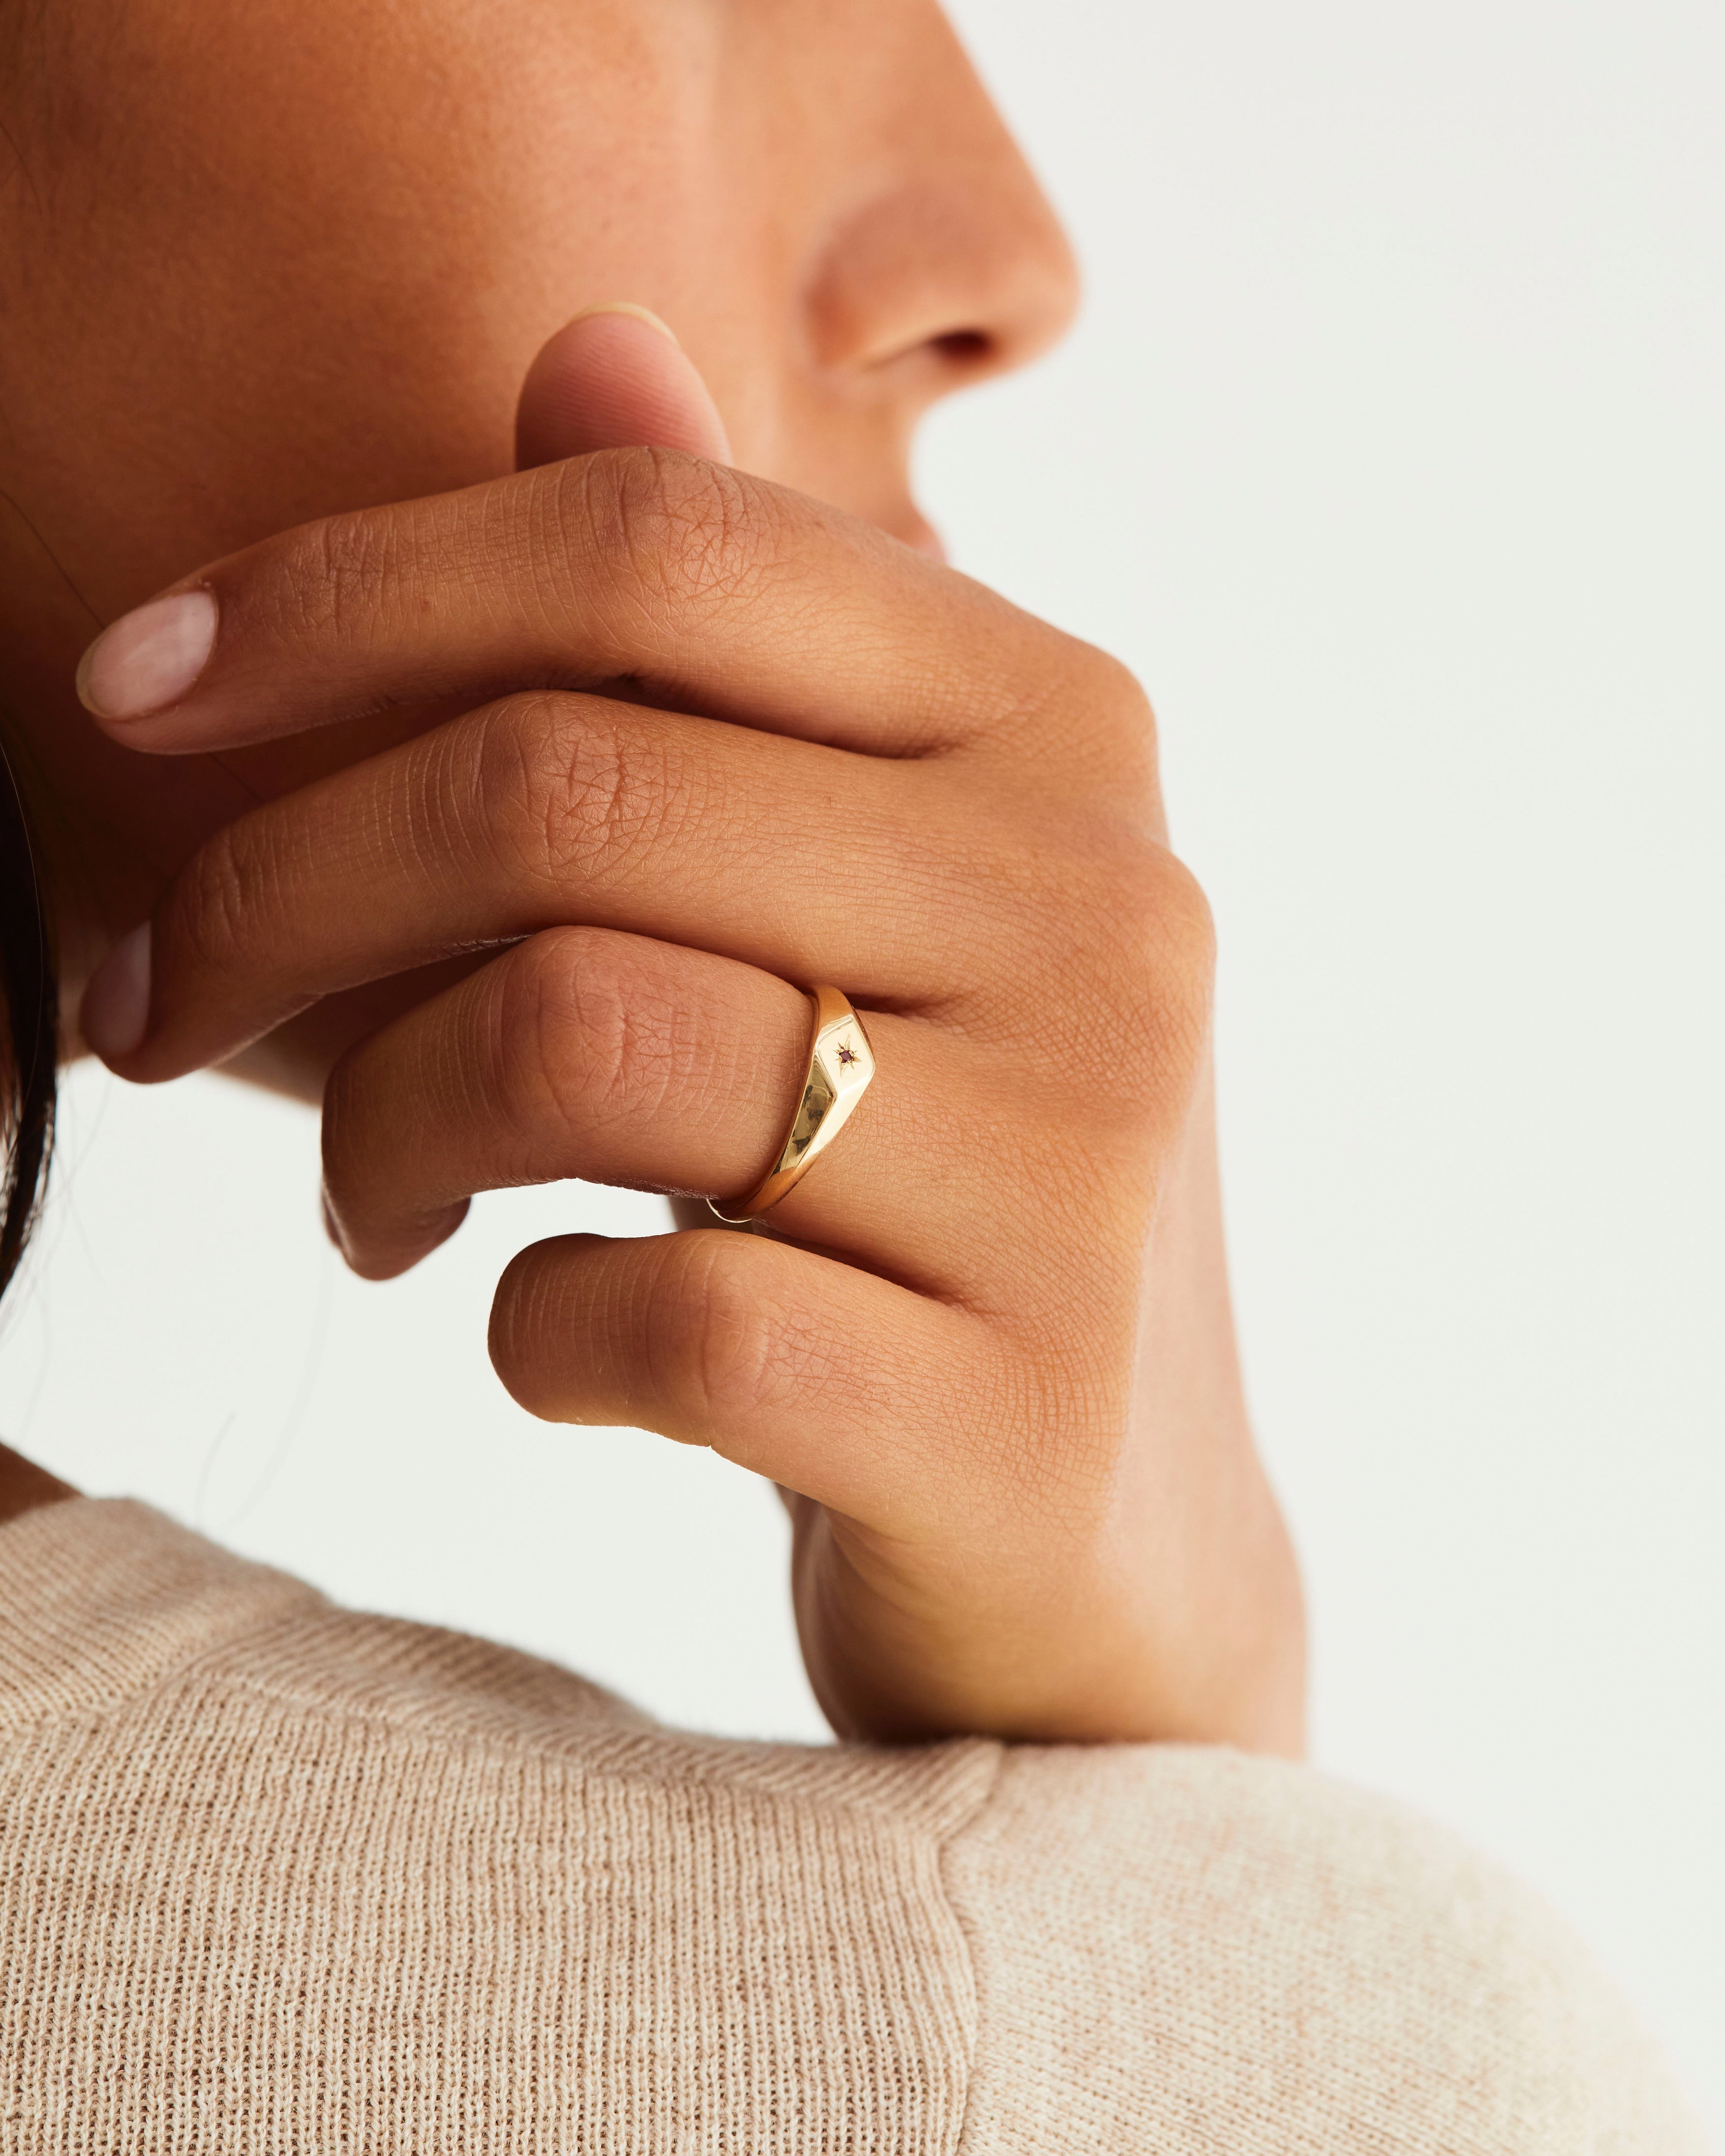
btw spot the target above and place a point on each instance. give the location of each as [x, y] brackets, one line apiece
[840, 1066]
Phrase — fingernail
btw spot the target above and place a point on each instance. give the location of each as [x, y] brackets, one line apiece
[628, 307]
[116, 1002]
[148, 658]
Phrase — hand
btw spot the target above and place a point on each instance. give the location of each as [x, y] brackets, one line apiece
[712, 740]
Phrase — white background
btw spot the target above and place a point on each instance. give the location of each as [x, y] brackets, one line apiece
[1389, 454]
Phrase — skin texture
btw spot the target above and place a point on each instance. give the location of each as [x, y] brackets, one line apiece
[509, 809]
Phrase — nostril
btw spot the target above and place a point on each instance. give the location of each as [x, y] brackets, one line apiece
[966, 347]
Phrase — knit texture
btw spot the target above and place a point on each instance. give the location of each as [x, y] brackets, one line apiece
[277, 1878]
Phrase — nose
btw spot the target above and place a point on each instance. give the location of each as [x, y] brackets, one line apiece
[951, 264]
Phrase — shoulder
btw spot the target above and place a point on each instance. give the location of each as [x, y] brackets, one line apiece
[215, 1785]
[1185, 1949]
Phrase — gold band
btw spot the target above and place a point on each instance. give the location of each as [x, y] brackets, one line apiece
[840, 1064]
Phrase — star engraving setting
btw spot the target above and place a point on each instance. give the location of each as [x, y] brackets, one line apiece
[847, 1054]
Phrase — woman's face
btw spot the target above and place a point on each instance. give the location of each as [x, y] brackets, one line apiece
[263, 260]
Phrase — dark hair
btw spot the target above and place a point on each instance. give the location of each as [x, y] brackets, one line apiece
[29, 1005]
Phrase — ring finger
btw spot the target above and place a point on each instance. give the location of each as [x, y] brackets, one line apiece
[586, 1052]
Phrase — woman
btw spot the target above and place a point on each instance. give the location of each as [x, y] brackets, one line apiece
[558, 749]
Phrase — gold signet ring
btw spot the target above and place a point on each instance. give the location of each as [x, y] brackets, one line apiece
[840, 1064]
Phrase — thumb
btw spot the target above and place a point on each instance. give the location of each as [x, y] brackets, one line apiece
[615, 378]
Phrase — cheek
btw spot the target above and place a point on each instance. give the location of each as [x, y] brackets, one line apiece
[327, 248]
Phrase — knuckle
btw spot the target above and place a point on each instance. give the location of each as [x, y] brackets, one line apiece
[724, 1347]
[1125, 722]
[1130, 968]
[1114, 689]
[586, 1032]
[566, 795]
[215, 900]
[677, 532]
[1164, 945]
[1158, 930]
[329, 575]
[1093, 707]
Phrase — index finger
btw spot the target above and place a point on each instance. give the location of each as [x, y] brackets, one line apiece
[679, 582]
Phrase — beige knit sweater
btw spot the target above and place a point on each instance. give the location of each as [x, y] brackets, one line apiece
[276, 1877]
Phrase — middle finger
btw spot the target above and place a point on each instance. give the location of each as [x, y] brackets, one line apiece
[553, 809]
